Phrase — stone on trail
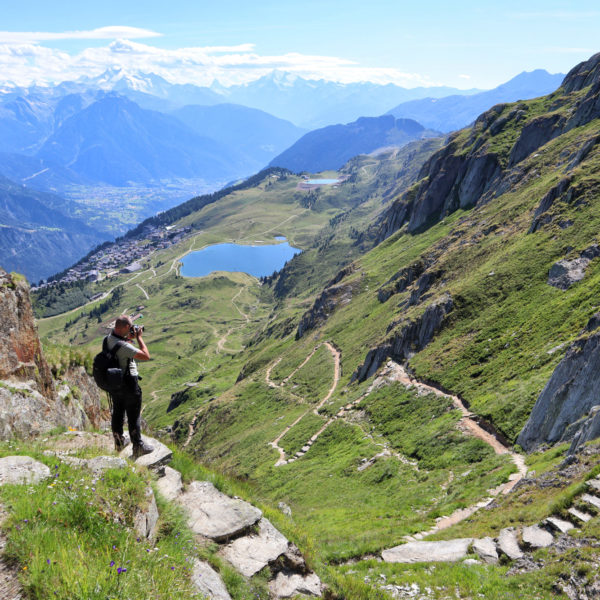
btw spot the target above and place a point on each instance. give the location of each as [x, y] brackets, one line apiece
[579, 514]
[287, 586]
[251, 553]
[594, 484]
[208, 582]
[156, 460]
[559, 524]
[170, 484]
[536, 537]
[97, 465]
[590, 499]
[145, 521]
[444, 551]
[22, 469]
[215, 515]
[485, 548]
[508, 543]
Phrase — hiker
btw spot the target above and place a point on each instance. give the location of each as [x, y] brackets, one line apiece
[128, 399]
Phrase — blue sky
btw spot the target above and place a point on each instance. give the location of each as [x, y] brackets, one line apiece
[462, 44]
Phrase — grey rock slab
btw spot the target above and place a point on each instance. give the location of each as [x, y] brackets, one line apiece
[485, 548]
[508, 543]
[579, 514]
[590, 499]
[536, 537]
[559, 524]
[251, 553]
[215, 515]
[444, 551]
[170, 484]
[471, 561]
[594, 484]
[208, 582]
[145, 520]
[98, 464]
[286, 585]
[22, 469]
[156, 460]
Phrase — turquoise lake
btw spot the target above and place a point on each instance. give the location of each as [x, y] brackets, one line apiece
[254, 260]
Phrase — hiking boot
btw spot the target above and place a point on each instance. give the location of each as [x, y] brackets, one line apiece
[120, 441]
[141, 449]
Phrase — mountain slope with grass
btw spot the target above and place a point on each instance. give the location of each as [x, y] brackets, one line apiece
[376, 386]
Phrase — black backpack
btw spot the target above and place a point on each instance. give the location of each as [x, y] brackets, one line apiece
[105, 370]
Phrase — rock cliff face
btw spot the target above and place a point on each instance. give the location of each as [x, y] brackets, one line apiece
[31, 402]
[411, 338]
[335, 294]
[473, 168]
[566, 408]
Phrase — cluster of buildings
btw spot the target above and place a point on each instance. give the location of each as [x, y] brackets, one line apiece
[123, 256]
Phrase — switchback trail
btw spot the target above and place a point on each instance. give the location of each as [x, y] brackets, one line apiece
[336, 378]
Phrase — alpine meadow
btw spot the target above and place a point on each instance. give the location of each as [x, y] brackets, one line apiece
[405, 408]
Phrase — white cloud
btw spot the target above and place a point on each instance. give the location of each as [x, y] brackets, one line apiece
[462, 76]
[24, 63]
[101, 33]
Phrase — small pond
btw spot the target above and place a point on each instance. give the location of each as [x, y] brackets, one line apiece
[322, 181]
[254, 260]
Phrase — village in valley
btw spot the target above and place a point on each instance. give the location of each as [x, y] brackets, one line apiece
[122, 256]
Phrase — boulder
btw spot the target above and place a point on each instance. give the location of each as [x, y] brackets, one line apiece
[571, 392]
[215, 515]
[444, 551]
[170, 484]
[508, 544]
[564, 273]
[253, 552]
[289, 585]
[22, 469]
[156, 460]
[208, 582]
[536, 537]
[485, 548]
[145, 520]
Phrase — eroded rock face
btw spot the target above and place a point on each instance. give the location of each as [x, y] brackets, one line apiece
[411, 338]
[290, 585]
[571, 392]
[21, 355]
[208, 582]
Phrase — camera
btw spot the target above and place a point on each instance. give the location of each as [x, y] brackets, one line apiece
[136, 328]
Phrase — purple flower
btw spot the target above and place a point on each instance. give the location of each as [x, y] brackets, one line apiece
[48, 560]
[112, 563]
[172, 568]
[121, 570]
[25, 520]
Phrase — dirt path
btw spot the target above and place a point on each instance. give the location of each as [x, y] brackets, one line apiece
[282, 460]
[143, 291]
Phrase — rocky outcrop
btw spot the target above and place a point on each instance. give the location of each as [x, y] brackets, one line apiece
[31, 402]
[471, 170]
[413, 552]
[330, 299]
[568, 397]
[564, 273]
[539, 216]
[334, 295]
[21, 355]
[412, 337]
[400, 281]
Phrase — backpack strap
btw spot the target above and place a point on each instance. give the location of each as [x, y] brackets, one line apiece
[116, 347]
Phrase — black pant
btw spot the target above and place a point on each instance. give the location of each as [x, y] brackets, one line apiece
[129, 401]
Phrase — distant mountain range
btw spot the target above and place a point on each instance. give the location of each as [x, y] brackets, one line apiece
[37, 236]
[457, 111]
[331, 147]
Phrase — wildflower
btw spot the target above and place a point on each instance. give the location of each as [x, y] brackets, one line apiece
[112, 563]
[122, 570]
[172, 568]
[48, 560]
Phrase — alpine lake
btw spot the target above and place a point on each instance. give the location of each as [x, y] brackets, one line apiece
[259, 261]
